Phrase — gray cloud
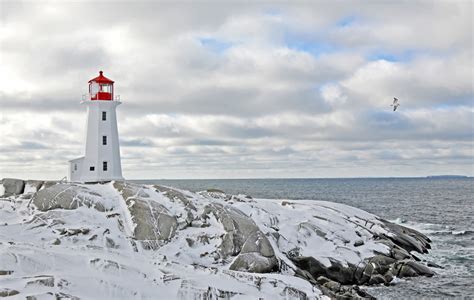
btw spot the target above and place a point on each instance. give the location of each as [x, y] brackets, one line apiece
[214, 89]
[136, 143]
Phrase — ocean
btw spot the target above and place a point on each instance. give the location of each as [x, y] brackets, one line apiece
[441, 208]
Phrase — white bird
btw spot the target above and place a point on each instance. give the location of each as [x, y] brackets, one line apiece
[395, 104]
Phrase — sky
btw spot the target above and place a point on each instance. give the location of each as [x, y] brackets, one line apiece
[228, 89]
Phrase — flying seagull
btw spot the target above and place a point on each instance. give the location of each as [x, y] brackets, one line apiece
[395, 104]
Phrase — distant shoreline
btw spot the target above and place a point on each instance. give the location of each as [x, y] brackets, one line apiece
[317, 178]
[447, 176]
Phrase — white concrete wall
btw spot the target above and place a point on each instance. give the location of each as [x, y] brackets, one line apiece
[96, 153]
[75, 169]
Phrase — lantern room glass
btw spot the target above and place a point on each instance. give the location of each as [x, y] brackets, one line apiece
[105, 92]
[106, 88]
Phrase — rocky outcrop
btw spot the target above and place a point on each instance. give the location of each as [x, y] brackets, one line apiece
[409, 268]
[407, 238]
[185, 201]
[339, 278]
[244, 239]
[153, 222]
[32, 186]
[66, 196]
[175, 195]
[335, 271]
[336, 290]
[8, 292]
[12, 186]
[291, 249]
[256, 255]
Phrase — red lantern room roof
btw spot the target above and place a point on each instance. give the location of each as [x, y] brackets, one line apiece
[101, 79]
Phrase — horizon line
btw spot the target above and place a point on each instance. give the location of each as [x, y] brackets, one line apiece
[265, 178]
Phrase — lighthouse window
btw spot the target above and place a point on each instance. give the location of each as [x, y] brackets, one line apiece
[104, 140]
[75, 167]
[104, 116]
[104, 166]
[91, 168]
[105, 88]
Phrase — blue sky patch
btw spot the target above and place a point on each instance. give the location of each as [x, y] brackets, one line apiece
[388, 120]
[346, 21]
[402, 56]
[215, 45]
[454, 103]
[314, 47]
[274, 12]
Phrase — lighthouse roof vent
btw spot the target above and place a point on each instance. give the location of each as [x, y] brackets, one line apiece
[101, 79]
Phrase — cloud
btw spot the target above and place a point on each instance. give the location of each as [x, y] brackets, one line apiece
[231, 90]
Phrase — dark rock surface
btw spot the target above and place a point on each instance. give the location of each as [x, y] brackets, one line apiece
[379, 269]
[13, 186]
[66, 196]
[243, 239]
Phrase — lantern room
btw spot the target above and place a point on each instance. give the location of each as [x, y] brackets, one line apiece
[101, 88]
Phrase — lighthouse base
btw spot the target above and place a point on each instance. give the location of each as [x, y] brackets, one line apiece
[77, 172]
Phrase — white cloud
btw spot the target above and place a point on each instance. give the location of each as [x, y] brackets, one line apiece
[333, 95]
[278, 90]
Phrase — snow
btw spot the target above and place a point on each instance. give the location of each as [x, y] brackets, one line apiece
[29, 188]
[301, 220]
[98, 257]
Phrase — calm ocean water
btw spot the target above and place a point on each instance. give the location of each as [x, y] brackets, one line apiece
[441, 208]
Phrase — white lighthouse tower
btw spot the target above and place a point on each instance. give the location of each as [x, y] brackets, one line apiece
[102, 158]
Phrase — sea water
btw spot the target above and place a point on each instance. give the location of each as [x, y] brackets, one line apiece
[438, 207]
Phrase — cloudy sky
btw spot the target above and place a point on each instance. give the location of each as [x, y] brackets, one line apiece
[216, 89]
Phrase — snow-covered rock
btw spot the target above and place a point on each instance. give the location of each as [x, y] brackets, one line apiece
[243, 239]
[151, 221]
[32, 186]
[11, 186]
[123, 241]
[69, 196]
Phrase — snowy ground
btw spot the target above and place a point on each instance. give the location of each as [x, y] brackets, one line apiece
[92, 247]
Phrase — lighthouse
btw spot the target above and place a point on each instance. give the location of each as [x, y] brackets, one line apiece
[101, 161]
